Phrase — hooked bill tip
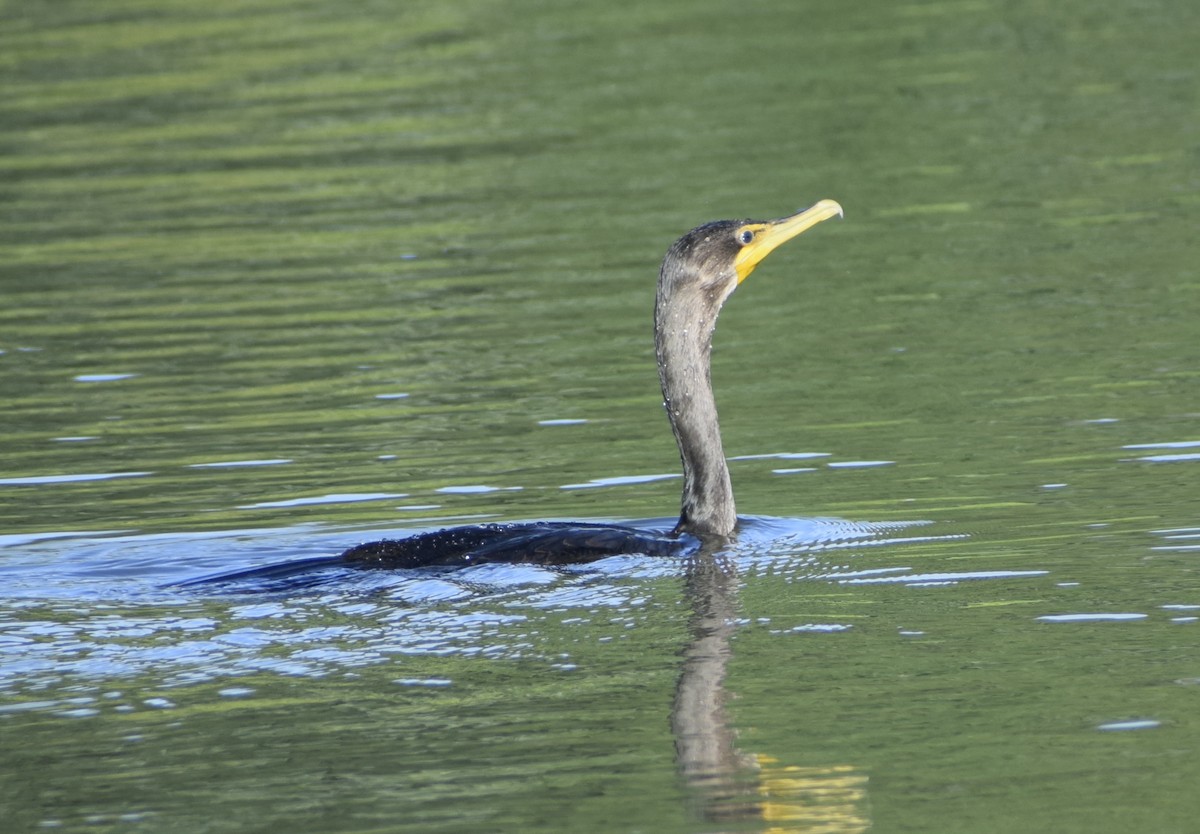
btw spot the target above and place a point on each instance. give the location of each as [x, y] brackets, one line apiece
[832, 205]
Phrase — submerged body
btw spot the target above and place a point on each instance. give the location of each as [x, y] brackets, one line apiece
[698, 274]
[549, 543]
[539, 542]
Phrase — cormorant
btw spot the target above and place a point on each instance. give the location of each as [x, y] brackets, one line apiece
[698, 274]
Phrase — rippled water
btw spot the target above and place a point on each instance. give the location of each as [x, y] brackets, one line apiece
[284, 277]
[434, 612]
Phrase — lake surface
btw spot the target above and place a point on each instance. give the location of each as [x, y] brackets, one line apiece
[282, 277]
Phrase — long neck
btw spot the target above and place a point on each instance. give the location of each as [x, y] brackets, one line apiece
[683, 342]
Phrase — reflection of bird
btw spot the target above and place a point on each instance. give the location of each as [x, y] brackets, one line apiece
[700, 271]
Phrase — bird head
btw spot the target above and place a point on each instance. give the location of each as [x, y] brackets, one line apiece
[711, 260]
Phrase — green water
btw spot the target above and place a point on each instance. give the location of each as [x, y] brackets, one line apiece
[285, 275]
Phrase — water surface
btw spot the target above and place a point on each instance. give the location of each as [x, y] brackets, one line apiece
[283, 277]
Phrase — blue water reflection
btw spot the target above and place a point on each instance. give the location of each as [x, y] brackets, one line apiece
[96, 606]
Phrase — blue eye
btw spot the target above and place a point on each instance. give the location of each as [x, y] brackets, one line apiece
[745, 236]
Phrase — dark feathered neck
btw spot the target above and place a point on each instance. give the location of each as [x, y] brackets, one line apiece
[685, 316]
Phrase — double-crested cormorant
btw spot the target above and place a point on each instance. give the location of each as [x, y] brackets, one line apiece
[698, 274]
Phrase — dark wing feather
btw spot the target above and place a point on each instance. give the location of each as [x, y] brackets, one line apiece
[540, 543]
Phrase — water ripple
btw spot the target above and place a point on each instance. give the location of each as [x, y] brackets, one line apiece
[94, 607]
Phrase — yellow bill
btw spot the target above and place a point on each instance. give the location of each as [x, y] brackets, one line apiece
[760, 239]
